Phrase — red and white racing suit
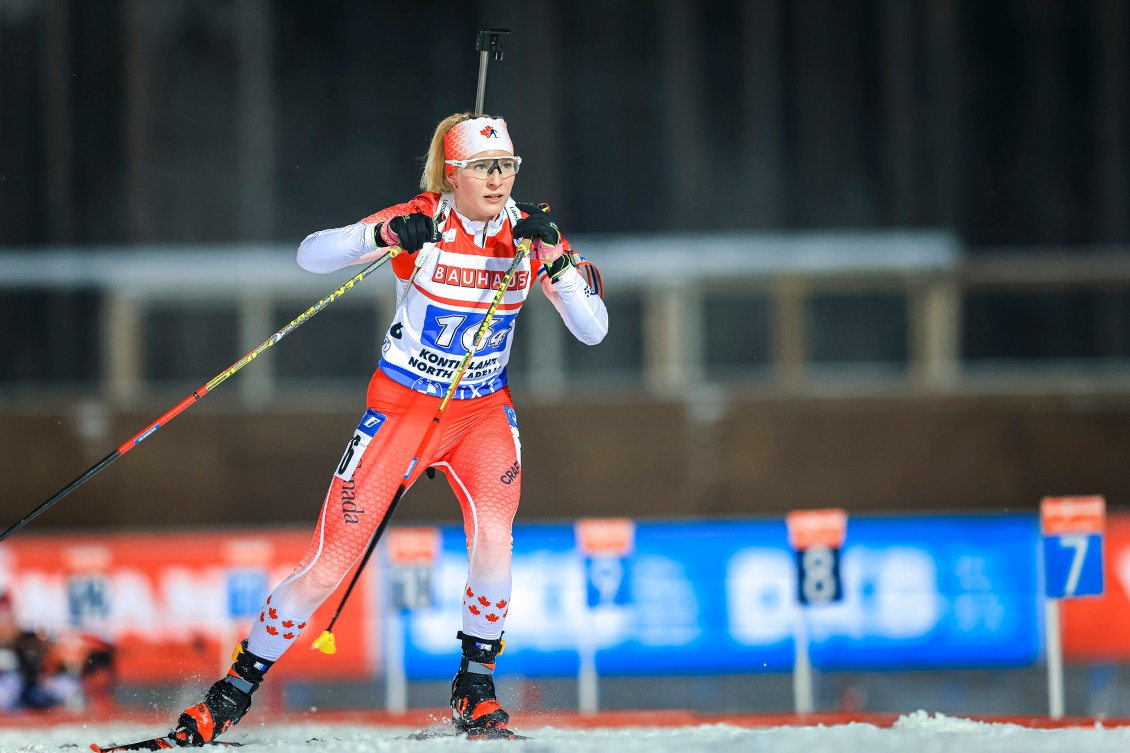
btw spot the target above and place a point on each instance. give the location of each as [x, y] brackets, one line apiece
[442, 300]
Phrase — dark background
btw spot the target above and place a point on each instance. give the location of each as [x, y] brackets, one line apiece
[153, 125]
[126, 121]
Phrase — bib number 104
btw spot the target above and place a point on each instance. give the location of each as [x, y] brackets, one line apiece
[454, 333]
[453, 323]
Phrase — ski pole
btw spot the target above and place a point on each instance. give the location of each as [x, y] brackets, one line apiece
[325, 642]
[487, 42]
[201, 392]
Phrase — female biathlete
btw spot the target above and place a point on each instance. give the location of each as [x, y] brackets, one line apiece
[443, 293]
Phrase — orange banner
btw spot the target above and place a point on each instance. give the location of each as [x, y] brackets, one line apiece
[176, 604]
[1060, 515]
[606, 537]
[811, 528]
[406, 547]
[1094, 629]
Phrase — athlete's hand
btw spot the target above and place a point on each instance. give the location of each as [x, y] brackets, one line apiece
[409, 231]
[539, 225]
[547, 246]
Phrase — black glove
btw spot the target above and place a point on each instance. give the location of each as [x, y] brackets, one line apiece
[538, 225]
[547, 246]
[409, 231]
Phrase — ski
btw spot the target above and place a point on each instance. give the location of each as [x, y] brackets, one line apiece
[446, 730]
[428, 733]
[156, 743]
[495, 734]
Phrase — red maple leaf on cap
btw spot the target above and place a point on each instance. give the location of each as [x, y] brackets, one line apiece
[474, 610]
[288, 623]
[484, 601]
[272, 630]
[274, 613]
[288, 636]
[492, 617]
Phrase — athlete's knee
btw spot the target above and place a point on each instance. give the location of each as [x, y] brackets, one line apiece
[310, 589]
[495, 539]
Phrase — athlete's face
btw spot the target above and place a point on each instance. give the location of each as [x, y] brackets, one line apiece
[479, 197]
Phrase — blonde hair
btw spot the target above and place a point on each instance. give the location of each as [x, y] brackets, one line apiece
[434, 177]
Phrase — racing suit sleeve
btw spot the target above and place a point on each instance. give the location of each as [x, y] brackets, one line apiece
[330, 250]
[582, 310]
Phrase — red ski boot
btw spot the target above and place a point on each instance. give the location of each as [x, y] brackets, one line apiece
[225, 703]
[474, 706]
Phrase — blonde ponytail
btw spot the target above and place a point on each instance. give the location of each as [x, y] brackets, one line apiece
[434, 177]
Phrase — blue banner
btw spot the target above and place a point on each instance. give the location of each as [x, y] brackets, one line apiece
[245, 589]
[720, 597]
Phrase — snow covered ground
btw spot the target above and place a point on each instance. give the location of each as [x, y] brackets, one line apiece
[918, 732]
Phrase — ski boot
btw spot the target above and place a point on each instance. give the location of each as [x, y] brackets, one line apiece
[226, 701]
[474, 707]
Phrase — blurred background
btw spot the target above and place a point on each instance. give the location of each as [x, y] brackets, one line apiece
[872, 255]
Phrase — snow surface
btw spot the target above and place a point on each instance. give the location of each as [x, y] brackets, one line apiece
[913, 733]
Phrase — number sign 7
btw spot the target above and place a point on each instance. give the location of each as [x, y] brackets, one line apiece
[1073, 565]
[1077, 542]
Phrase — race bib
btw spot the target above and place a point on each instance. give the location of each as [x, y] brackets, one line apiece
[366, 430]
